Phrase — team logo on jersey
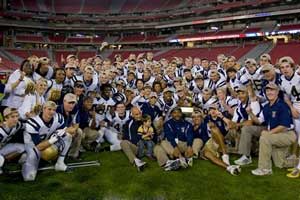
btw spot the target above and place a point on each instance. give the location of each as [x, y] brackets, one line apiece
[273, 114]
[182, 129]
[219, 123]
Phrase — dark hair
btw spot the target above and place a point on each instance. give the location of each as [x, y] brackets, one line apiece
[105, 86]
[146, 118]
[23, 63]
[57, 70]
[139, 80]
[87, 98]
[231, 69]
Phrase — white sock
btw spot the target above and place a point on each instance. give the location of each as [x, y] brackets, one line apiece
[115, 147]
[298, 166]
[61, 159]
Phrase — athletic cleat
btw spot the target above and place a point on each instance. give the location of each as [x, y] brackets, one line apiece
[294, 174]
[172, 165]
[261, 172]
[291, 169]
[190, 162]
[225, 159]
[183, 162]
[234, 170]
[95, 146]
[139, 164]
[244, 160]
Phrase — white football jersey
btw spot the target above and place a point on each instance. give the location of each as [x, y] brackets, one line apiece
[291, 87]
[108, 103]
[7, 133]
[199, 101]
[36, 126]
[117, 122]
[255, 79]
[231, 102]
[235, 83]
[166, 108]
[92, 86]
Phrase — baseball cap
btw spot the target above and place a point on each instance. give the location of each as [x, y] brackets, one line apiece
[78, 84]
[70, 66]
[198, 76]
[89, 68]
[71, 56]
[70, 97]
[272, 86]
[120, 82]
[214, 106]
[44, 60]
[147, 86]
[267, 67]
[213, 63]
[250, 61]
[242, 88]
[266, 56]
[153, 94]
[286, 59]
[177, 79]
[9, 111]
[176, 109]
[167, 89]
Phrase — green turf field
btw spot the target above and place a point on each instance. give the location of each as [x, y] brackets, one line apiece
[117, 179]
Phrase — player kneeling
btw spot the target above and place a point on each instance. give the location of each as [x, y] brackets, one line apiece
[46, 137]
[8, 130]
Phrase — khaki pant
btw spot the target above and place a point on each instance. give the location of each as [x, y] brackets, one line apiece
[76, 142]
[274, 146]
[129, 149]
[90, 135]
[165, 150]
[197, 145]
[247, 133]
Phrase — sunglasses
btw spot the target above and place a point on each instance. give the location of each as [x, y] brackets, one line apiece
[79, 86]
[265, 71]
[71, 102]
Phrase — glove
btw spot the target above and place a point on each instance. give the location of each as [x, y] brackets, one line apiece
[53, 139]
[61, 132]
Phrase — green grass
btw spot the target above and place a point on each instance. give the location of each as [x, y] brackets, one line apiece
[117, 179]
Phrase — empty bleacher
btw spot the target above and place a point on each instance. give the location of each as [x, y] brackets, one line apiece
[29, 38]
[281, 49]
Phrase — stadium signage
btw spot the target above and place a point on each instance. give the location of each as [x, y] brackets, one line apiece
[230, 36]
[222, 19]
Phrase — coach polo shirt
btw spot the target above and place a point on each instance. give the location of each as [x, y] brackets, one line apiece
[278, 114]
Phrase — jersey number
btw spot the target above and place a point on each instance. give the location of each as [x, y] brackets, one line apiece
[257, 84]
[295, 93]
